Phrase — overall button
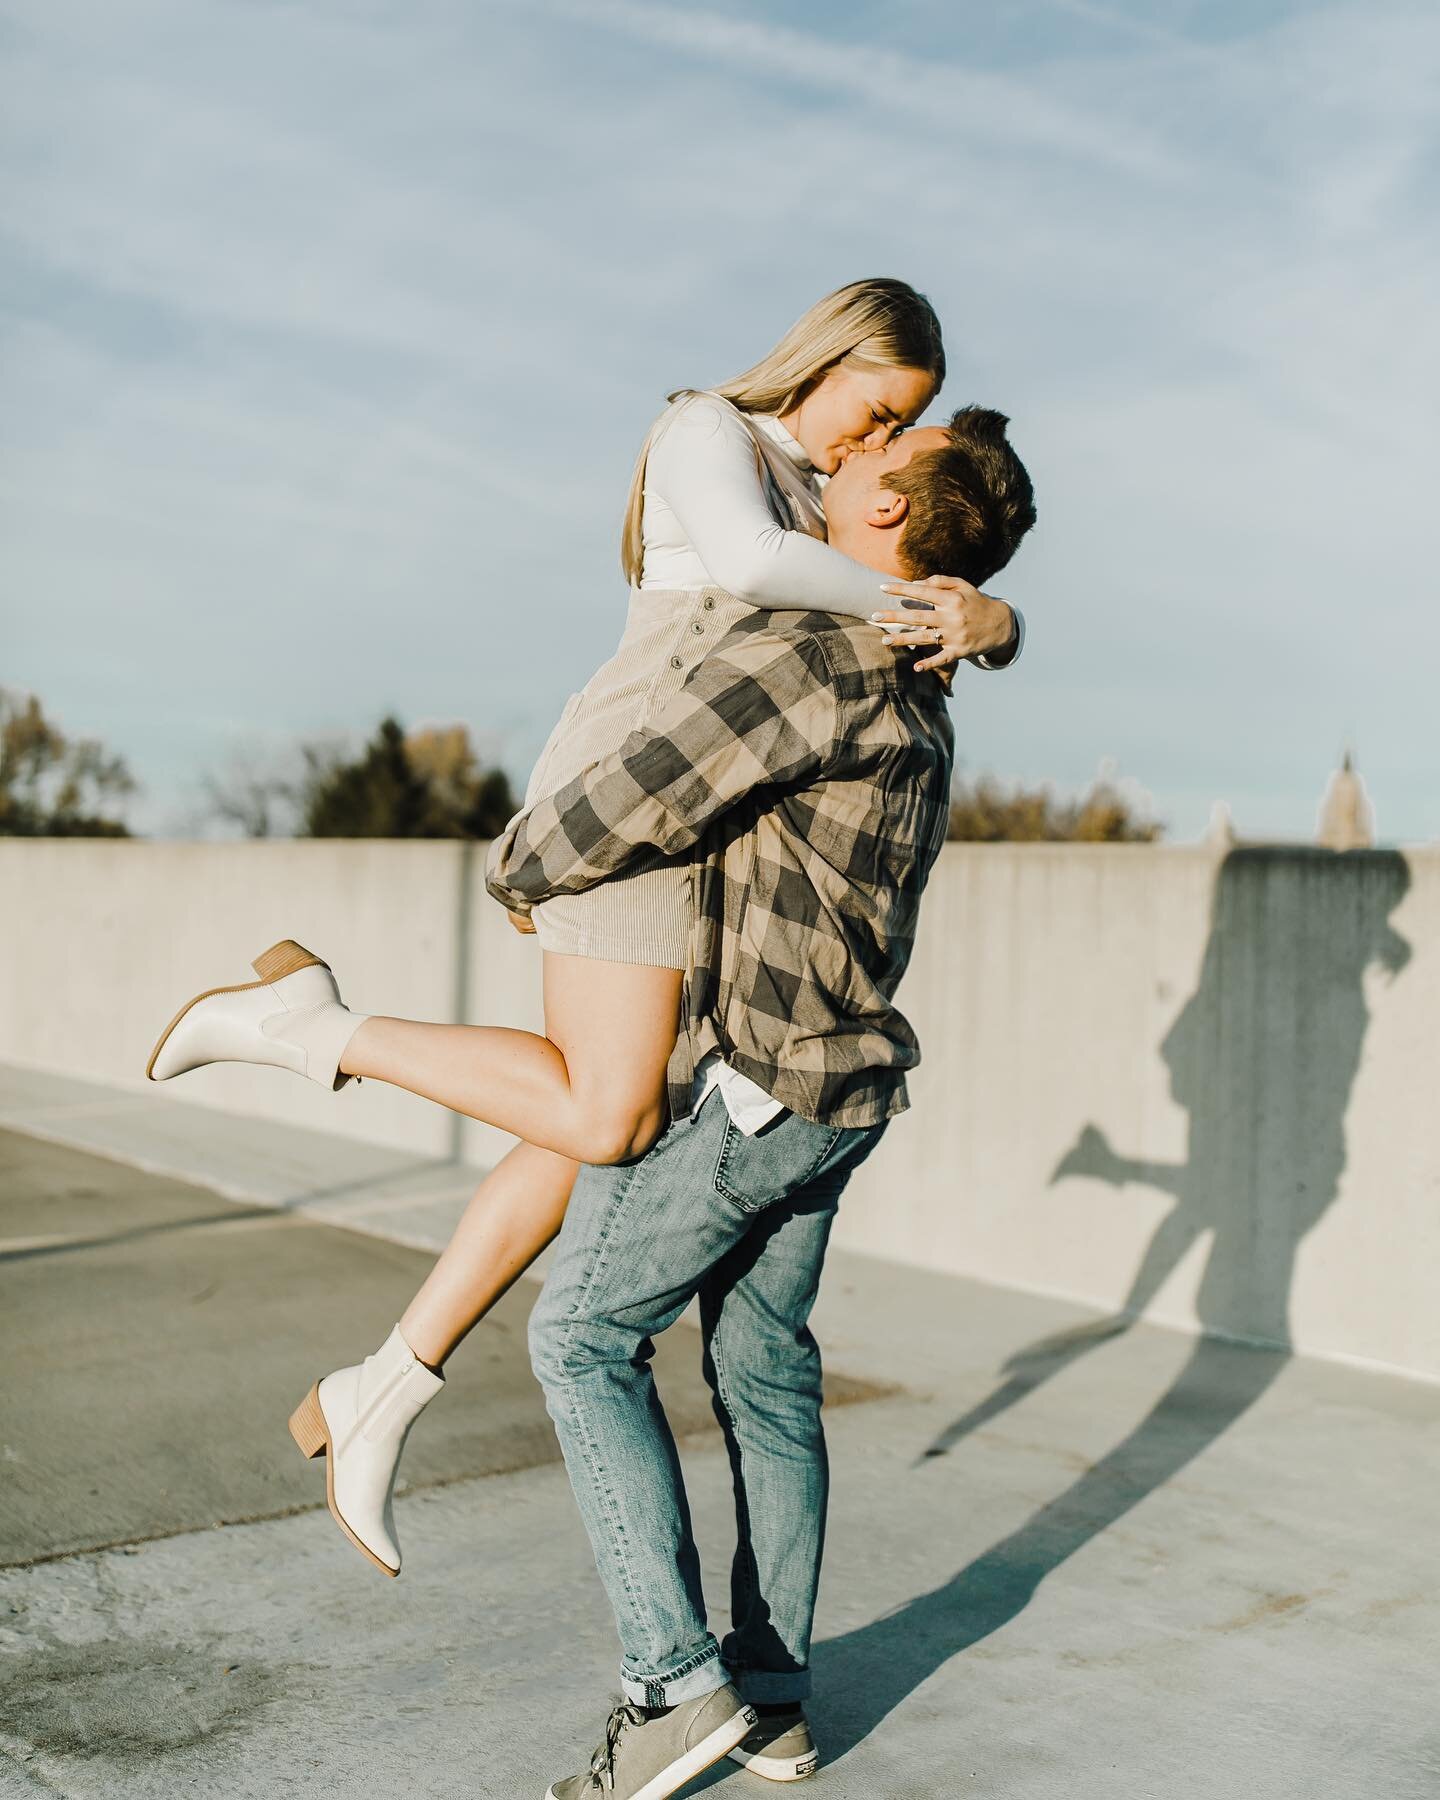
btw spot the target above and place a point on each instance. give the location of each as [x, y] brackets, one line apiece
[676, 663]
[709, 603]
[698, 629]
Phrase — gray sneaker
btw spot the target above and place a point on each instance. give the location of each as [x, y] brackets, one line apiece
[650, 1759]
[779, 1747]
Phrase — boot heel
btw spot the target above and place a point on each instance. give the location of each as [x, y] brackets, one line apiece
[307, 1424]
[284, 958]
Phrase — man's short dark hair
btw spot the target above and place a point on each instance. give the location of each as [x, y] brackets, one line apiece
[971, 501]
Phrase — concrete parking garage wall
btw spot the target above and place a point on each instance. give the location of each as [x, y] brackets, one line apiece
[1201, 1089]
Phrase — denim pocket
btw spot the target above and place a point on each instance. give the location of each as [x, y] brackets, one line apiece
[757, 1171]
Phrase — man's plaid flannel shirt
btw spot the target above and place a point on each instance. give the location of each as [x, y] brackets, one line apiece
[805, 771]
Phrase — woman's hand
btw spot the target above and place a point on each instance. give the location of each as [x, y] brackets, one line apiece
[964, 622]
[522, 923]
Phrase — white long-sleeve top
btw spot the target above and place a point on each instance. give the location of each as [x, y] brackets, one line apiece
[709, 521]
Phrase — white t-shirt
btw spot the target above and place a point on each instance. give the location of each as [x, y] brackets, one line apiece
[747, 1103]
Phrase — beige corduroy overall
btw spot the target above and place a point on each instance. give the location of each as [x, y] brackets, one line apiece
[642, 916]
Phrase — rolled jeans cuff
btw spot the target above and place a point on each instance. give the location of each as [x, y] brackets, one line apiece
[691, 1681]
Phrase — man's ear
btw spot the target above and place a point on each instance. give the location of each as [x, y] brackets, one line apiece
[887, 508]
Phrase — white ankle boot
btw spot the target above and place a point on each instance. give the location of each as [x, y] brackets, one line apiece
[358, 1419]
[292, 1018]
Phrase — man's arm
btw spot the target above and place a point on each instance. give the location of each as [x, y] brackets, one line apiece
[759, 708]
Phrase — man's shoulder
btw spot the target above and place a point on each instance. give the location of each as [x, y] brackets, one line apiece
[849, 653]
[795, 636]
[796, 625]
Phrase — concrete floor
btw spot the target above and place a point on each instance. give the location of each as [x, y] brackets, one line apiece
[1064, 1560]
[157, 1337]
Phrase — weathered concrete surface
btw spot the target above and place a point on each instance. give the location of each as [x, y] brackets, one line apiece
[1135, 1565]
[154, 1338]
[402, 1195]
[1199, 1087]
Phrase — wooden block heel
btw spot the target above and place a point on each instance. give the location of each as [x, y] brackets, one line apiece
[284, 958]
[307, 1425]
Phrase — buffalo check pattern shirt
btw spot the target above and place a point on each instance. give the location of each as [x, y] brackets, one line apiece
[804, 771]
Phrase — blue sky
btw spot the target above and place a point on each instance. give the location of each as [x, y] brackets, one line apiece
[331, 331]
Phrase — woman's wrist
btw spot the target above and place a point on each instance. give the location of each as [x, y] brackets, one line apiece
[957, 616]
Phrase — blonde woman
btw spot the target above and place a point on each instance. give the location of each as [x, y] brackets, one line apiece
[724, 516]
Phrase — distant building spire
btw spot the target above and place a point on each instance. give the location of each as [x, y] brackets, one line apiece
[1347, 821]
[1220, 832]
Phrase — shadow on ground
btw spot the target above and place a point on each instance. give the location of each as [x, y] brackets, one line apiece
[1263, 1056]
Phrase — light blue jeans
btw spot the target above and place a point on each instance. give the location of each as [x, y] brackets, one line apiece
[743, 1222]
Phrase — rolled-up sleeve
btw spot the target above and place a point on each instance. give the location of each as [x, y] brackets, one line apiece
[982, 661]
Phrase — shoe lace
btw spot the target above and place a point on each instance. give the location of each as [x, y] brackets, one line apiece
[602, 1763]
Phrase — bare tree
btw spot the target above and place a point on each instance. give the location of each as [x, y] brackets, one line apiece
[253, 798]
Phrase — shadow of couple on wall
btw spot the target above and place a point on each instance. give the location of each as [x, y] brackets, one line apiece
[1263, 1057]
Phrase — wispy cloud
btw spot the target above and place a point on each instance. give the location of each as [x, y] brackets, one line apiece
[895, 90]
[339, 322]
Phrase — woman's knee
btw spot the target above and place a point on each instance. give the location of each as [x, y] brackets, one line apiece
[608, 1131]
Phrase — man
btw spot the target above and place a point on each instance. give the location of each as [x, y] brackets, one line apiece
[805, 768]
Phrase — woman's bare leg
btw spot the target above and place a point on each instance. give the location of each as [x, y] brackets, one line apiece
[515, 1212]
[609, 1045]
[593, 1090]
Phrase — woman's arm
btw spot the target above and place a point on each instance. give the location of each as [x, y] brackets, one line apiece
[702, 464]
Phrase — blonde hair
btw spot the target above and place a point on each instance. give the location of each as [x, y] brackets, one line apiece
[880, 323]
